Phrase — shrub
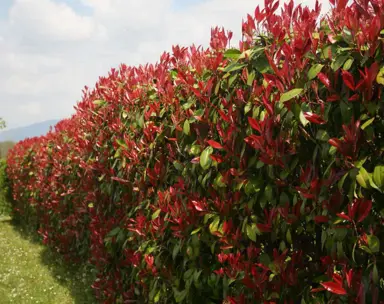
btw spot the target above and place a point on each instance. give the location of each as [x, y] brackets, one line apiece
[5, 205]
[242, 175]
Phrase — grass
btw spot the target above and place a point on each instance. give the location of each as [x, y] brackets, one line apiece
[32, 273]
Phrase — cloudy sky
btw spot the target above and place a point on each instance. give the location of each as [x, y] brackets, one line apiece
[50, 49]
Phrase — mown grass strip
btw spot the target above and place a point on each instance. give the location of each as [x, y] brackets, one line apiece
[31, 273]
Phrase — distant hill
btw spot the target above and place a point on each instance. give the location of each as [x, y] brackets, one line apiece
[21, 133]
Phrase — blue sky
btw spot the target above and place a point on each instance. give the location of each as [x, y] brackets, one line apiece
[51, 49]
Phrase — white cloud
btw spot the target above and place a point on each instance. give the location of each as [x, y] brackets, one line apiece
[49, 51]
[50, 20]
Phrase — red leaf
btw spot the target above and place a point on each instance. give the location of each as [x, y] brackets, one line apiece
[331, 38]
[314, 118]
[372, 72]
[214, 144]
[333, 98]
[217, 158]
[334, 288]
[199, 206]
[349, 276]
[338, 279]
[120, 180]
[317, 289]
[348, 80]
[344, 216]
[363, 210]
[324, 79]
[335, 142]
[341, 4]
[254, 124]
[224, 116]
[321, 219]
[354, 97]
[264, 227]
[196, 160]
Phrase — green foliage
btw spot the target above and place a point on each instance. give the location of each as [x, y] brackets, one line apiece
[5, 205]
[2, 123]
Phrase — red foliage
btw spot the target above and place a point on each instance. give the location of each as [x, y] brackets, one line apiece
[249, 175]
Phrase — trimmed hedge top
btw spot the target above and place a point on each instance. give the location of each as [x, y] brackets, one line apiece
[247, 175]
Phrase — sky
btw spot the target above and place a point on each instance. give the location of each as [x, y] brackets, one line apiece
[51, 49]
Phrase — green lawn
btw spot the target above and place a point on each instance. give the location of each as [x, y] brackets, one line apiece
[31, 273]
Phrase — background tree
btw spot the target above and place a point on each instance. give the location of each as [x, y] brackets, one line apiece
[2, 123]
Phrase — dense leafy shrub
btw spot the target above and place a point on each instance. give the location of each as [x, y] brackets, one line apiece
[5, 205]
[242, 175]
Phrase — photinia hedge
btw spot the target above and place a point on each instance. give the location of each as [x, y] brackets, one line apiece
[226, 175]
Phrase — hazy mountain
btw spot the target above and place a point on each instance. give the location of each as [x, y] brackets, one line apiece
[21, 133]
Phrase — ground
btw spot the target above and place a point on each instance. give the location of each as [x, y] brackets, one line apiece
[31, 273]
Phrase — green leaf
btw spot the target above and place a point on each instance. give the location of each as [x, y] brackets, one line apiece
[205, 159]
[248, 107]
[373, 243]
[179, 295]
[195, 150]
[302, 118]
[253, 186]
[252, 231]
[140, 121]
[265, 259]
[366, 249]
[378, 176]
[339, 61]
[290, 94]
[289, 236]
[187, 128]
[178, 166]
[363, 178]
[324, 236]
[234, 67]
[322, 135]
[268, 192]
[251, 77]
[157, 297]
[340, 234]
[380, 76]
[114, 231]
[195, 231]
[99, 102]
[314, 70]
[342, 180]
[232, 53]
[218, 182]
[156, 214]
[188, 104]
[375, 275]
[214, 226]
[359, 163]
[262, 64]
[367, 123]
[207, 217]
[188, 274]
[346, 111]
[347, 65]
[175, 251]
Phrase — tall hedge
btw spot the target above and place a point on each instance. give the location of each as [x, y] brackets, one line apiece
[244, 175]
